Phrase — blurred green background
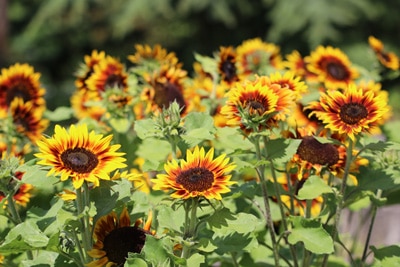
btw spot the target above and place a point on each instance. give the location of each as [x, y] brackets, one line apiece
[54, 35]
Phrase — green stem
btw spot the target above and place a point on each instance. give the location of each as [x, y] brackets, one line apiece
[340, 196]
[16, 218]
[234, 260]
[268, 217]
[280, 204]
[190, 225]
[82, 201]
[80, 250]
[371, 226]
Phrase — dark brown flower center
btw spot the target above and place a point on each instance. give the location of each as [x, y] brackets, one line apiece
[115, 80]
[228, 69]
[167, 93]
[196, 179]
[315, 152]
[20, 88]
[337, 71]
[256, 107]
[352, 113]
[122, 240]
[79, 160]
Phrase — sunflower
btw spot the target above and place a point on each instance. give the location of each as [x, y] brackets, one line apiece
[80, 155]
[108, 73]
[158, 54]
[227, 65]
[116, 237]
[388, 59]
[254, 56]
[87, 104]
[257, 105]
[332, 67]
[23, 193]
[86, 69]
[20, 80]
[27, 119]
[295, 63]
[164, 87]
[199, 176]
[351, 112]
[290, 81]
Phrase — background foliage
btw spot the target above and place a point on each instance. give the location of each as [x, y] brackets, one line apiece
[54, 35]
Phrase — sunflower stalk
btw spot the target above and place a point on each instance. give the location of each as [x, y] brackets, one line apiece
[190, 224]
[83, 205]
[280, 204]
[268, 217]
[340, 196]
[16, 217]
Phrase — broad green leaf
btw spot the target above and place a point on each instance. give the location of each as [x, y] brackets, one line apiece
[135, 262]
[120, 125]
[281, 149]
[220, 218]
[24, 236]
[146, 128]
[377, 146]
[170, 219]
[37, 176]
[209, 64]
[313, 187]
[386, 256]
[311, 234]
[158, 251]
[372, 179]
[196, 260]
[199, 126]
[44, 258]
[59, 114]
[104, 198]
[232, 242]
[155, 152]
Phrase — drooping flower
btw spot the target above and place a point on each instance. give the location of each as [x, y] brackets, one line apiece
[257, 105]
[332, 66]
[200, 175]
[79, 155]
[116, 237]
[350, 112]
[255, 57]
[388, 59]
[20, 80]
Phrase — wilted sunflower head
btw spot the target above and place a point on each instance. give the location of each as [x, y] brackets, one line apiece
[200, 175]
[116, 237]
[80, 155]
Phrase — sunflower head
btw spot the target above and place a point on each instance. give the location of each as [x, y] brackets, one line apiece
[21, 81]
[227, 64]
[80, 155]
[388, 59]
[332, 67]
[351, 112]
[86, 69]
[200, 175]
[256, 105]
[116, 237]
[27, 119]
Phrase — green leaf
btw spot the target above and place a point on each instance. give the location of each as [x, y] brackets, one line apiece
[59, 114]
[311, 234]
[170, 219]
[146, 128]
[377, 146]
[220, 218]
[23, 237]
[135, 262]
[196, 260]
[372, 179]
[37, 176]
[199, 127]
[233, 242]
[120, 125]
[313, 187]
[209, 64]
[154, 158]
[158, 251]
[387, 256]
[282, 149]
